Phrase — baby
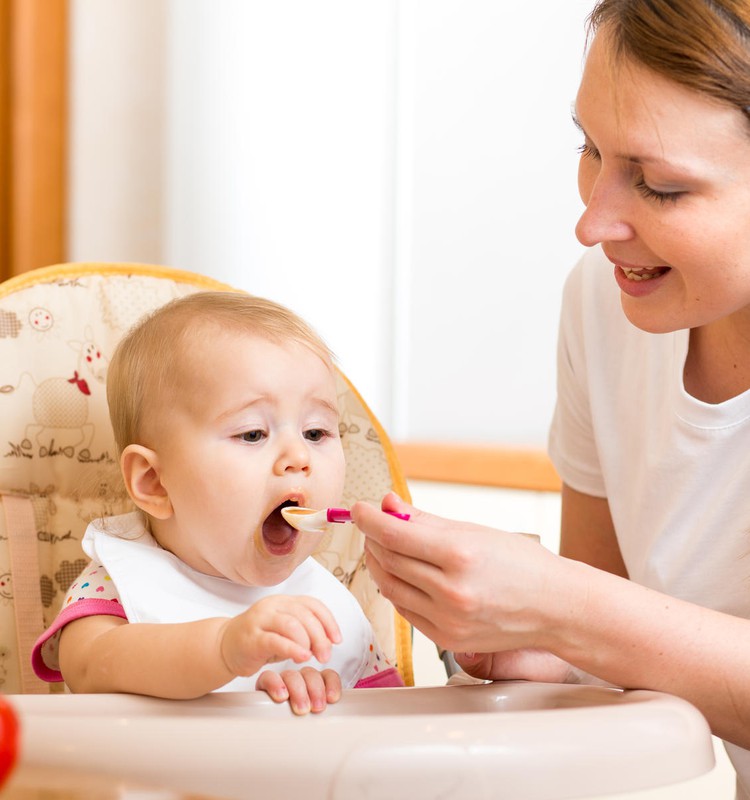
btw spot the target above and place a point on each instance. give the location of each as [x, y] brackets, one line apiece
[224, 409]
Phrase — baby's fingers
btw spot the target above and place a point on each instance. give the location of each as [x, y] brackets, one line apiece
[320, 627]
[273, 684]
[311, 690]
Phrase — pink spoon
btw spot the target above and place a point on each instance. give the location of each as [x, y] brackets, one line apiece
[313, 520]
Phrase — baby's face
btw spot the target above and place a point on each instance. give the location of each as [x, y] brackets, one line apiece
[255, 428]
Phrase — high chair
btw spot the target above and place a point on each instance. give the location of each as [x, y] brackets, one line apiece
[58, 328]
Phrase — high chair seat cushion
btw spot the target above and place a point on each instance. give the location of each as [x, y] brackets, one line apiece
[58, 466]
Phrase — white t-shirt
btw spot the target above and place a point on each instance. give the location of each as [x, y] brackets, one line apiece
[675, 470]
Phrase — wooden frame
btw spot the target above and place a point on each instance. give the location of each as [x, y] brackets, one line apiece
[480, 465]
[33, 133]
[5, 137]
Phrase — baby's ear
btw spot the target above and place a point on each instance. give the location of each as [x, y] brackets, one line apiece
[140, 471]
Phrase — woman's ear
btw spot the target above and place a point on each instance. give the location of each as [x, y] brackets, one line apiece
[140, 471]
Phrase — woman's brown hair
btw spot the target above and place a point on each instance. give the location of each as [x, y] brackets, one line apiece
[703, 45]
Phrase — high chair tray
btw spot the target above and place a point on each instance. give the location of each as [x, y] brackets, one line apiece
[525, 741]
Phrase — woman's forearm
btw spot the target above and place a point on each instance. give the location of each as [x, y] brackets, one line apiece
[635, 637]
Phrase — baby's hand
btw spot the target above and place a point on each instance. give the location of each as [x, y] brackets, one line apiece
[277, 628]
[306, 690]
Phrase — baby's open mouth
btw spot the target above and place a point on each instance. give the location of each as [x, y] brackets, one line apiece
[279, 537]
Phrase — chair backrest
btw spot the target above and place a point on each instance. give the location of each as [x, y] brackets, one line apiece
[58, 469]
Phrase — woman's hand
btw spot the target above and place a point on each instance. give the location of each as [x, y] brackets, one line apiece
[467, 587]
[527, 665]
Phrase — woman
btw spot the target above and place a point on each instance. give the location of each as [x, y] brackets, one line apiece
[651, 433]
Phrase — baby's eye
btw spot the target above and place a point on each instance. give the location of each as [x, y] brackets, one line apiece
[253, 437]
[315, 434]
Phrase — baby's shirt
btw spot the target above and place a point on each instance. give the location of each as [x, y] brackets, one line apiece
[132, 577]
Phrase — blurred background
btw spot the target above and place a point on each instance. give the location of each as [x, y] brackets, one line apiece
[399, 172]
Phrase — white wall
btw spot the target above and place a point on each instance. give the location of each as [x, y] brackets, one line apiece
[280, 167]
[400, 172]
[488, 213]
[117, 128]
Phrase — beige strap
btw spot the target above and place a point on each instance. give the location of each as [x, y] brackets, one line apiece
[24, 569]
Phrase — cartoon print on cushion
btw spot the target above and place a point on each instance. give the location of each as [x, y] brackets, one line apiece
[10, 325]
[43, 504]
[41, 319]
[47, 590]
[68, 572]
[351, 428]
[60, 405]
[38, 320]
[6, 586]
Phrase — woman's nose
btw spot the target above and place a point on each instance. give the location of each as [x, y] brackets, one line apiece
[605, 217]
[294, 456]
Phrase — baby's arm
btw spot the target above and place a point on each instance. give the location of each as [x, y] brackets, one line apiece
[106, 654]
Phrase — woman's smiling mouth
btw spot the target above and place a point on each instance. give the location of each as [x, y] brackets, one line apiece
[643, 273]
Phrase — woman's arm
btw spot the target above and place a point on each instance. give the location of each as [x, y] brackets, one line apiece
[474, 589]
[587, 533]
[634, 637]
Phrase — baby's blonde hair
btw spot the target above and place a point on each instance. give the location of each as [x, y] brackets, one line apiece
[148, 360]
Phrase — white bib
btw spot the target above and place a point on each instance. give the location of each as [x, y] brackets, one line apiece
[155, 586]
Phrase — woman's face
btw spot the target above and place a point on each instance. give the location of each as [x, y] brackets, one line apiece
[665, 177]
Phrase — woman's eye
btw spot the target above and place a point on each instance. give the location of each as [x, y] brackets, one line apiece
[253, 437]
[586, 150]
[652, 194]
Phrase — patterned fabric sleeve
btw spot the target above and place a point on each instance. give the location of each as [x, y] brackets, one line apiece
[90, 594]
[378, 671]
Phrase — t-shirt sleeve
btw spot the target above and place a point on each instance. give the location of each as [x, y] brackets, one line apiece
[92, 593]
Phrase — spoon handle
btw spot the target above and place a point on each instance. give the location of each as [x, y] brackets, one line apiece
[344, 515]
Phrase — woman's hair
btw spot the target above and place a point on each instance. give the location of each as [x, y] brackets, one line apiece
[703, 45]
[149, 359]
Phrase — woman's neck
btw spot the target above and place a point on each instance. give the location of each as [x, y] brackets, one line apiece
[717, 366]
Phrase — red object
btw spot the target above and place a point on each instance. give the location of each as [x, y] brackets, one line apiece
[9, 730]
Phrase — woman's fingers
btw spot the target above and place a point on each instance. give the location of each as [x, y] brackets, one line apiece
[399, 585]
[419, 537]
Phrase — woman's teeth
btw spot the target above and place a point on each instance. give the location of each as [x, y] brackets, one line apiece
[643, 273]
